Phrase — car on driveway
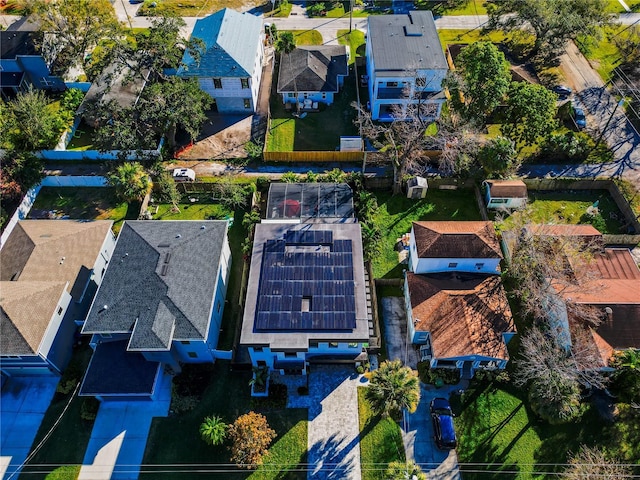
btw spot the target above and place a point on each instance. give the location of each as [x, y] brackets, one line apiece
[562, 91]
[579, 117]
[442, 418]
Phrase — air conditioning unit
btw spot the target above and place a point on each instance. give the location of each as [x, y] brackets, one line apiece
[417, 187]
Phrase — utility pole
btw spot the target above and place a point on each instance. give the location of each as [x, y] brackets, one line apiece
[350, 15]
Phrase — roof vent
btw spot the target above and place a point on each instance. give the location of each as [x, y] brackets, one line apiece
[104, 307]
[62, 260]
[202, 227]
[178, 236]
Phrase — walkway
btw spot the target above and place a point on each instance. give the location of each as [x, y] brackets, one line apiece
[334, 431]
[119, 436]
[23, 403]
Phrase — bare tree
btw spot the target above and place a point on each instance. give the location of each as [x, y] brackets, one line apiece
[590, 463]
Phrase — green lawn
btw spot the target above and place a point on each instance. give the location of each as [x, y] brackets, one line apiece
[82, 138]
[306, 37]
[317, 130]
[175, 440]
[470, 7]
[200, 210]
[86, 203]
[570, 207]
[397, 213]
[603, 55]
[356, 42]
[69, 440]
[190, 8]
[282, 11]
[495, 425]
[469, 36]
[380, 440]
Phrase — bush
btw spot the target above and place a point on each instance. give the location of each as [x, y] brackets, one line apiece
[66, 386]
[262, 183]
[193, 380]
[483, 377]
[449, 376]
[289, 177]
[89, 409]
[253, 149]
[316, 9]
[570, 146]
[166, 190]
[180, 404]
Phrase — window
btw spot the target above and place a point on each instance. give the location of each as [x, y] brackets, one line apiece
[257, 349]
[453, 264]
[185, 342]
[291, 95]
[244, 82]
[353, 345]
[218, 307]
[247, 103]
[217, 83]
[313, 344]
[333, 344]
[290, 355]
[499, 200]
[261, 363]
[479, 265]
[192, 354]
[421, 82]
[105, 335]
[60, 309]
[324, 95]
[392, 84]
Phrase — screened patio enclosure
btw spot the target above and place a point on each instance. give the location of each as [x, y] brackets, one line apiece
[308, 201]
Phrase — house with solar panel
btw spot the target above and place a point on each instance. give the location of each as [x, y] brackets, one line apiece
[406, 65]
[307, 296]
[160, 305]
[50, 272]
[230, 65]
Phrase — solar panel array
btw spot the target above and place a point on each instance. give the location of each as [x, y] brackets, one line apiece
[306, 283]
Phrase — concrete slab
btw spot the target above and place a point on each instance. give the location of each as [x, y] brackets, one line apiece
[333, 431]
[104, 461]
[395, 332]
[23, 403]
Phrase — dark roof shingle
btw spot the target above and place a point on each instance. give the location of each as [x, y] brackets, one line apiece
[456, 240]
[312, 69]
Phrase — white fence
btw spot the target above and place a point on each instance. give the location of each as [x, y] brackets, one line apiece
[30, 197]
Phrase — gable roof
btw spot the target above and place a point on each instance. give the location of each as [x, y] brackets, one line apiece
[14, 43]
[456, 240]
[160, 283]
[26, 309]
[405, 42]
[53, 250]
[507, 188]
[465, 314]
[312, 68]
[231, 42]
[564, 230]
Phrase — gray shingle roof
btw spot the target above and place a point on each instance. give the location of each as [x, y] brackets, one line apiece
[312, 69]
[405, 42]
[231, 42]
[160, 282]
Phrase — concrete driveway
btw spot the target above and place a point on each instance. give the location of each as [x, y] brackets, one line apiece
[23, 403]
[395, 332]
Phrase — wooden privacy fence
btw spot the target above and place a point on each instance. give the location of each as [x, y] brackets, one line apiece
[313, 156]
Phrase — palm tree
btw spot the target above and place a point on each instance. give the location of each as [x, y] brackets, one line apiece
[404, 471]
[213, 430]
[393, 388]
[130, 180]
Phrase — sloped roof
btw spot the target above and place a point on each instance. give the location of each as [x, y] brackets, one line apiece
[160, 282]
[312, 69]
[14, 43]
[507, 188]
[26, 309]
[405, 42]
[465, 314]
[564, 230]
[53, 250]
[231, 41]
[456, 240]
[614, 278]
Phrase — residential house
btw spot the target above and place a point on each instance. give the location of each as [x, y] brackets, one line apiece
[160, 304]
[405, 65]
[230, 67]
[505, 194]
[312, 74]
[306, 296]
[22, 66]
[50, 272]
[454, 247]
[459, 320]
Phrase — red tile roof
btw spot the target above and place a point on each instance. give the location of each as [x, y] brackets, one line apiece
[507, 188]
[465, 314]
[564, 230]
[456, 240]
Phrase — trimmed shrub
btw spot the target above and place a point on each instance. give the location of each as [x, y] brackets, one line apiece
[89, 409]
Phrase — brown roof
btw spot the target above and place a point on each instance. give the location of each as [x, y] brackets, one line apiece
[26, 309]
[614, 279]
[53, 250]
[564, 230]
[622, 329]
[465, 314]
[456, 240]
[507, 188]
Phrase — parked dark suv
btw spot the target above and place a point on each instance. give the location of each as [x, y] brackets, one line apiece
[442, 419]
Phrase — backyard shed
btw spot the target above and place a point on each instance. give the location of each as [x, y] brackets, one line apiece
[417, 187]
[505, 193]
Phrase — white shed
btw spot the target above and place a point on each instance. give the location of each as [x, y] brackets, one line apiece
[417, 187]
[505, 193]
[184, 175]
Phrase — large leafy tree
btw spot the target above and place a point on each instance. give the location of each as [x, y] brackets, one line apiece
[591, 463]
[482, 78]
[552, 22]
[499, 157]
[626, 378]
[130, 181]
[77, 27]
[530, 113]
[392, 389]
[30, 122]
[251, 437]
